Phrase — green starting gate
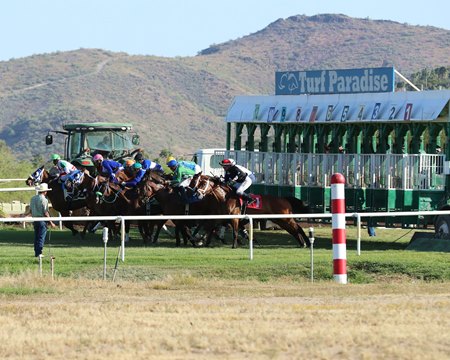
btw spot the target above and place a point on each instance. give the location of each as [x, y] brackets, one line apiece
[391, 147]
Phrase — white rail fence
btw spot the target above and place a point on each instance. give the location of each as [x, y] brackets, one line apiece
[9, 180]
[250, 218]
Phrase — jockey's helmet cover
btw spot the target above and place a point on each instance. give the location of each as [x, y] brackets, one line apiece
[129, 163]
[56, 157]
[98, 157]
[137, 166]
[228, 162]
[172, 163]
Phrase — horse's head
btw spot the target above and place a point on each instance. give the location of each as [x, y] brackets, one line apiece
[37, 177]
[202, 185]
[147, 188]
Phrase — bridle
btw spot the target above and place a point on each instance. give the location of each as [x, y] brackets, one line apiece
[36, 177]
[202, 188]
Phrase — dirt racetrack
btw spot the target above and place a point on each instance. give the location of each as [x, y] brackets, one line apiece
[186, 318]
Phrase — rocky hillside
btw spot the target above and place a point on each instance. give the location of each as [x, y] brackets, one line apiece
[179, 103]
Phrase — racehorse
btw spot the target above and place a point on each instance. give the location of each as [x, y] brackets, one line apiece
[56, 196]
[265, 204]
[106, 199]
[173, 205]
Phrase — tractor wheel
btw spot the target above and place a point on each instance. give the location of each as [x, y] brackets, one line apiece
[442, 226]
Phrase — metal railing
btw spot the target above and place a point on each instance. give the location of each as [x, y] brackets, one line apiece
[376, 171]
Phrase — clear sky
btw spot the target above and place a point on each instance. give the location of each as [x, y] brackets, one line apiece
[176, 27]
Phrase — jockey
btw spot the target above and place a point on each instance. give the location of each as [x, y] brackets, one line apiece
[138, 173]
[106, 168]
[147, 164]
[181, 177]
[63, 167]
[242, 177]
[188, 164]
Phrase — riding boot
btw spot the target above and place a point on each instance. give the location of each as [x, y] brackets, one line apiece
[247, 198]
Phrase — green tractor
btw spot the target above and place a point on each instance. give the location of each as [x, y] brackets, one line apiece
[84, 140]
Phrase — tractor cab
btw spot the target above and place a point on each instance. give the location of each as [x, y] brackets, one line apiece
[84, 140]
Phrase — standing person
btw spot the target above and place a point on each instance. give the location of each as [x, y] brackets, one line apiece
[63, 167]
[147, 164]
[241, 176]
[39, 208]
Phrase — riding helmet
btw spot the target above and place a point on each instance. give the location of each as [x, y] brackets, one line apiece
[228, 162]
[172, 163]
[56, 157]
[98, 157]
[139, 156]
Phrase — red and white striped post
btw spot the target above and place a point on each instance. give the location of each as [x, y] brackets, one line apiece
[338, 224]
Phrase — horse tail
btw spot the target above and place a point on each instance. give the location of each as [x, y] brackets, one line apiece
[298, 206]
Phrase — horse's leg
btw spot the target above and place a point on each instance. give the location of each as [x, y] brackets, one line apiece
[235, 227]
[127, 230]
[177, 235]
[144, 230]
[291, 227]
[303, 235]
[159, 226]
[85, 228]
[69, 224]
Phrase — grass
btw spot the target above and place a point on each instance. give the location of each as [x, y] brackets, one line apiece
[276, 256]
[214, 303]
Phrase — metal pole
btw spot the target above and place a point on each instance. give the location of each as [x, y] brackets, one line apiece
[122, 236]
[52, 266]
[40, 264]
[105, 242]
[117, 264]
[358, 234]
[311, 251]
[250, 236]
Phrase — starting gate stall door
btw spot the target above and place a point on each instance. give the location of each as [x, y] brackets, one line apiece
[378, 147]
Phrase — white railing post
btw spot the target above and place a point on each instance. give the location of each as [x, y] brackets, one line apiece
[122, 236]
[250, 235]
[105, 242]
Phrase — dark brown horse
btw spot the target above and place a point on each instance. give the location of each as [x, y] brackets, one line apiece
[56, 196]
[106, 198]
[266, 204]
[172, 204]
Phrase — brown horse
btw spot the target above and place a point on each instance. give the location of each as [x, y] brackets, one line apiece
[105, 198]
[173, 205]
[56, 196]
[267, 204]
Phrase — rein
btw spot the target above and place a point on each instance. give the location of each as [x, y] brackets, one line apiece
[114, 191]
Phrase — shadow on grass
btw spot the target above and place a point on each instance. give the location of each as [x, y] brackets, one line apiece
[262, 239]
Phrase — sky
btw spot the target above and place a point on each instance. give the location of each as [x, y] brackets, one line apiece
[176, 27]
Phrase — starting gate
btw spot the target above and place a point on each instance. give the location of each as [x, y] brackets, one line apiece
[392, 148]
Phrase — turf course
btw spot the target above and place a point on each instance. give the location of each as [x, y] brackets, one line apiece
[276, 256]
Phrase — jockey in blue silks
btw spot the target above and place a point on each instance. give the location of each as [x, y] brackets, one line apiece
[106, 168]
[138, 175]
[148, 164]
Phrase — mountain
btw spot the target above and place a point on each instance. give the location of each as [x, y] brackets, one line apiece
[179, 103]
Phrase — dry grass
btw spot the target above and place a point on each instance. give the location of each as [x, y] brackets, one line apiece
[185, 318]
